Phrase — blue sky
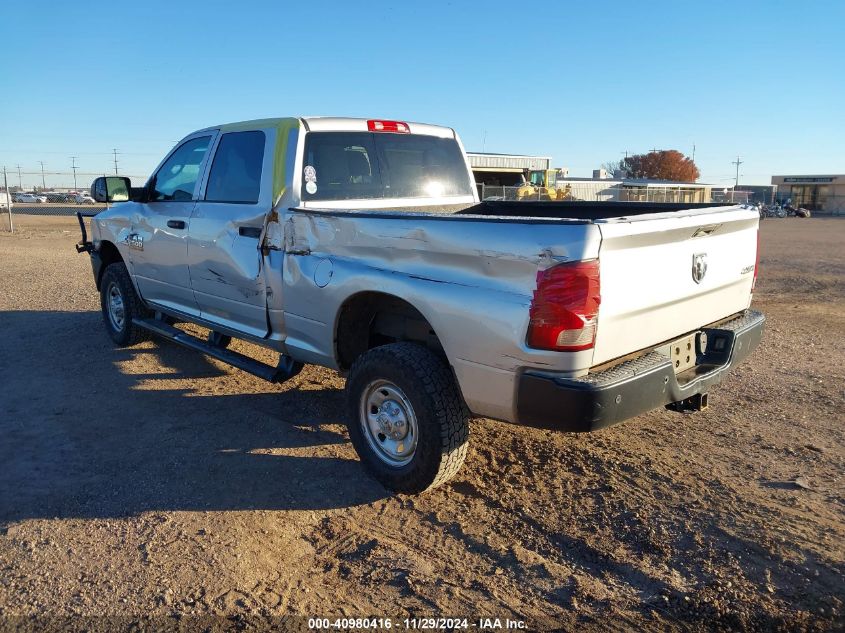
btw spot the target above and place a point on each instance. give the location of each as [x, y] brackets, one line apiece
[580, 81]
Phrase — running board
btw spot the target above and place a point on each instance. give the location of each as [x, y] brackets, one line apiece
[287, 367]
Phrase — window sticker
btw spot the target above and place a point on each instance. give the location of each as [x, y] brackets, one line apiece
[310, 175]
[311, 187]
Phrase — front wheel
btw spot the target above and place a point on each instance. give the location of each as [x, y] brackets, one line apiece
[407, 419]
[120, 304]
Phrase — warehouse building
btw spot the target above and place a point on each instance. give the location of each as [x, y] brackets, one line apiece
[824, 194]
[504, 169]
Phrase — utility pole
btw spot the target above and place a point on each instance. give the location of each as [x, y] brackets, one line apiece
[73, 167]
[8, 200]
[114, 151]
[43, 183]
[737, 162]
[693, 152]
[20, 181]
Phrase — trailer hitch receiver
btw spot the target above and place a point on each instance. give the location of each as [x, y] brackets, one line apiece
[698, 402]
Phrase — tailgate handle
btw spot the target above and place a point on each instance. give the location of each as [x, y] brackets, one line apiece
[176, 224]
[703, 231]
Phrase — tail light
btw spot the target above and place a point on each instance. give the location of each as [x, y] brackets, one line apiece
[565, 307]
[388, 126]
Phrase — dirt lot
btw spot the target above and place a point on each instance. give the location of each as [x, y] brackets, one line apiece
[152, 480]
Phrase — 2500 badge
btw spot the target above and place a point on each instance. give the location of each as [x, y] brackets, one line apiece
[135, 241]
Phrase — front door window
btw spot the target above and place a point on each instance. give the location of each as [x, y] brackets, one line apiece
[177, 178]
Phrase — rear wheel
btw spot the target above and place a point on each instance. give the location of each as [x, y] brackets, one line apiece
[120, 304]
[407, 420]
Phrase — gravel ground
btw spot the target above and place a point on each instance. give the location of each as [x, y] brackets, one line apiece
[154, 481]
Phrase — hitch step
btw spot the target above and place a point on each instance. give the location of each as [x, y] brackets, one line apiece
[287, 367]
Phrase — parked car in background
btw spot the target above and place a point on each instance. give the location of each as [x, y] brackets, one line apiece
[30, 197]
[83, 198]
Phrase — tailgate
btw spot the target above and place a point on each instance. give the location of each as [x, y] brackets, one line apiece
[651, 288]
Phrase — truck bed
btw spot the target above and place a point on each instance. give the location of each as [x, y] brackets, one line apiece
[578, 210]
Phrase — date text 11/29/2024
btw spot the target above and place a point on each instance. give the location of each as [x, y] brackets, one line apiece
[431, 624]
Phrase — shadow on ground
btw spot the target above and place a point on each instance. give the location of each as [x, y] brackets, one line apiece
[83, 438]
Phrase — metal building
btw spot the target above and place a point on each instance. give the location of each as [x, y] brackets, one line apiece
[504, 169]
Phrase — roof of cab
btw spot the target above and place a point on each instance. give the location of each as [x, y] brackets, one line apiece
[326, 124]
[255, 124]
[349, 124]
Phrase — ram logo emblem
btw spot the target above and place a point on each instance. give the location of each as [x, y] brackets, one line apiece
[699, 267]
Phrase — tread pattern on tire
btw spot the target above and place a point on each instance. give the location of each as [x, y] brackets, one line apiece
[134, 307]
[436, 381]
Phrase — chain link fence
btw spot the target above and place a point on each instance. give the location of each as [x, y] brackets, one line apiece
[55, 194]
[600, 192]
[49, 197]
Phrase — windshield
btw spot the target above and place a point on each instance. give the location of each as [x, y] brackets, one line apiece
[366, 165]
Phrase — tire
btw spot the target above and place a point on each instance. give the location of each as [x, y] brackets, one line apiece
[411, 380]
[120, 304]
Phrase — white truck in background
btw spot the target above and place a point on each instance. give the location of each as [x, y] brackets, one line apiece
[360, 245]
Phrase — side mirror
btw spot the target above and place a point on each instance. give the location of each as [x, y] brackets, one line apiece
[111, 189]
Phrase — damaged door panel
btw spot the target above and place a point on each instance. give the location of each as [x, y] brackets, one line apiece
[224, 257]
[225, 266]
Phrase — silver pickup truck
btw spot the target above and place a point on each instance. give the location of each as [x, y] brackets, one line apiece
[361, 245]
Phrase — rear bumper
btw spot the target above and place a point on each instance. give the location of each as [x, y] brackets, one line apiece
[633, 387]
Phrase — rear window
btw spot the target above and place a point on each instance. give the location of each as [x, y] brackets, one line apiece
[366, 165]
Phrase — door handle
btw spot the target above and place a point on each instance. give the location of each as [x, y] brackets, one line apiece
[249, 231]
[176, 224]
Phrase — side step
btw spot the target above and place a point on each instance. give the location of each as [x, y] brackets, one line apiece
[287, 368]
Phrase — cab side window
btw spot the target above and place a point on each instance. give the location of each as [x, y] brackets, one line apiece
[235, 175]
[178, 177]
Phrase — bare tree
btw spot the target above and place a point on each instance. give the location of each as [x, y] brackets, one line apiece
[612, 166]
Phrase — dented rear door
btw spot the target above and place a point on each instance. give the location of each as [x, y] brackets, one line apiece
[224, 258]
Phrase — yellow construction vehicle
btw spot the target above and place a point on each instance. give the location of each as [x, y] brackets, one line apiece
[544, 184]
